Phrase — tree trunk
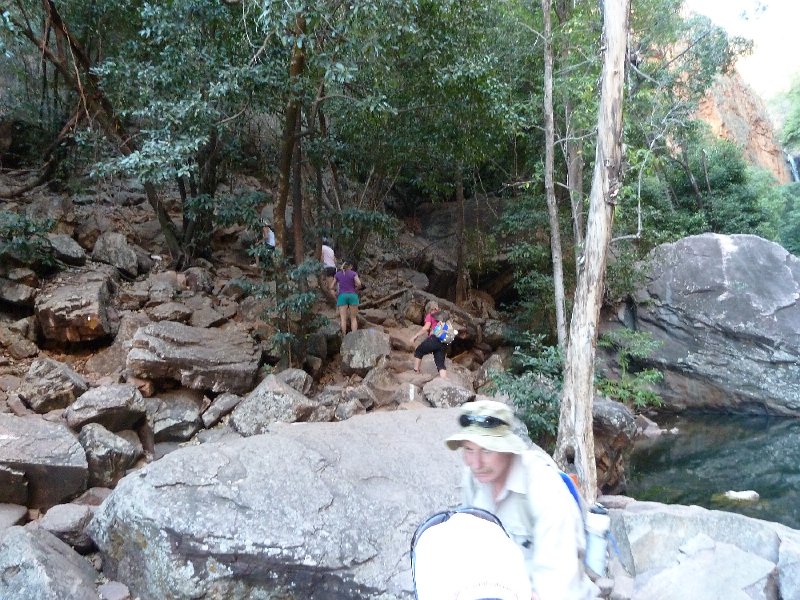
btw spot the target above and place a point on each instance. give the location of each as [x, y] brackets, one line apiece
[297, 195]
[575, 185]
[288, 139]
[462, 289]
[549, 186]
[575, 444]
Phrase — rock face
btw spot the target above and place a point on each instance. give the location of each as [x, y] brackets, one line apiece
[48, 456]
[736, 113]
[679, 552]
[727, 311]
[328, 508]
[198, 358]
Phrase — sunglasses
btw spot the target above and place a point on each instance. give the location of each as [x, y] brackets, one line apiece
[480, 421]
[441, 517]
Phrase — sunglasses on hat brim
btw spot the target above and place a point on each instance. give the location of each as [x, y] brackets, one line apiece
[486, 422]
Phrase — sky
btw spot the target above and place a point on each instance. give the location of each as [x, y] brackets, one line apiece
[771, 24]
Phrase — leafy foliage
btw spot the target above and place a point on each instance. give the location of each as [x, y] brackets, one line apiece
[534, 388]
[23, 240]
[633, 388]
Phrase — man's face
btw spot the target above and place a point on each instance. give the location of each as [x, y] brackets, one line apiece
[486, 466]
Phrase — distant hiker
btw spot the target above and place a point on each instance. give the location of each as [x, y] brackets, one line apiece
[431, 344]
[267, 239]
[328, 258]
[524, 488]
[466, 554]
[347, 299]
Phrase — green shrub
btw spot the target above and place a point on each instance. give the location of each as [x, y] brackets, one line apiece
[23, 240]
[632, 388]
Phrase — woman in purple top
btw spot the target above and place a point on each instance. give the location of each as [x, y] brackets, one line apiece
[347, 301]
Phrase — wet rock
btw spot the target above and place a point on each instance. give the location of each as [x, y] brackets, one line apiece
[50, 385]
[614, 428]
[197, 358]
[49, 457]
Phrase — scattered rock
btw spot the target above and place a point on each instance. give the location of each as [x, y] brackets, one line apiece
[50, 385]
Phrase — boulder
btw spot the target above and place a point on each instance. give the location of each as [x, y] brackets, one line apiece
[726, 309]
[170, 311]
[614, 428]
[444, 393]
[49, 385]
[362, 349]
[115, 407]
[16, 293]
[219, 407]
[113, 248]
[272, 401]
[175, 415]
[110, 361]
[107, 454]
[11, 514]
[66, 249]
[197, 358]
[75, 306]
[296, 378]
[68, 523]
[36, 564]
[311, 510]
[49, 457]
[15, 345]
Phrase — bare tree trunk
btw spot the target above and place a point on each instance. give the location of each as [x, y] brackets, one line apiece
[549, 186]
[575, 185]
[288, 139]
[575, 444]
[462, 289]
[297, 196]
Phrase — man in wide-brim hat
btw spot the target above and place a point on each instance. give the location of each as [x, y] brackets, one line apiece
[522, 485]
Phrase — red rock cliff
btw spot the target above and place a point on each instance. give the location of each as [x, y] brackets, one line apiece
[736, 113]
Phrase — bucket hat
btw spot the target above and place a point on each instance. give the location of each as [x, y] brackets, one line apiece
[466, 556]
[487, 423]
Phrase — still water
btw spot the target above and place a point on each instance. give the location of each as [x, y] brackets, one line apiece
[712, 454]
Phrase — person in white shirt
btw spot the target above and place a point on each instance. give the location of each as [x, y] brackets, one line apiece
[328, 259]
[522, 486]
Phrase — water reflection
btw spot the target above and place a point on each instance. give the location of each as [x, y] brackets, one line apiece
[716, 453]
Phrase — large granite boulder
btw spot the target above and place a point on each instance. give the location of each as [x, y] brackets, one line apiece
[36, 564]
[213, 359]
[727, 312]
[47, 455]
[325, 510]
[113, 248]
[75, 306]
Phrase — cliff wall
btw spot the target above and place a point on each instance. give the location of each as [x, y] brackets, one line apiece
[736, 113]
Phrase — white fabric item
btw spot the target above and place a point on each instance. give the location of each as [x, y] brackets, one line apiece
[469, 558]
[543, 519]
[328, 258]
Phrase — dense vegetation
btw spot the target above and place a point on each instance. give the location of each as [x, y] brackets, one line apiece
[336, 106]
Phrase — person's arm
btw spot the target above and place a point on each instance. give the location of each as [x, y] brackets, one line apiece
[422, 331]
[332, 284]
[357, 281]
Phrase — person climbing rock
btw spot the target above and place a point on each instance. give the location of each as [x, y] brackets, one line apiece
[431, 344]
[347, 281]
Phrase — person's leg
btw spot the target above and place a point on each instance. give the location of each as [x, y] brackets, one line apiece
[417, 363]
[353, 317]
[438, 359]
[343, 318]
[427, 346]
